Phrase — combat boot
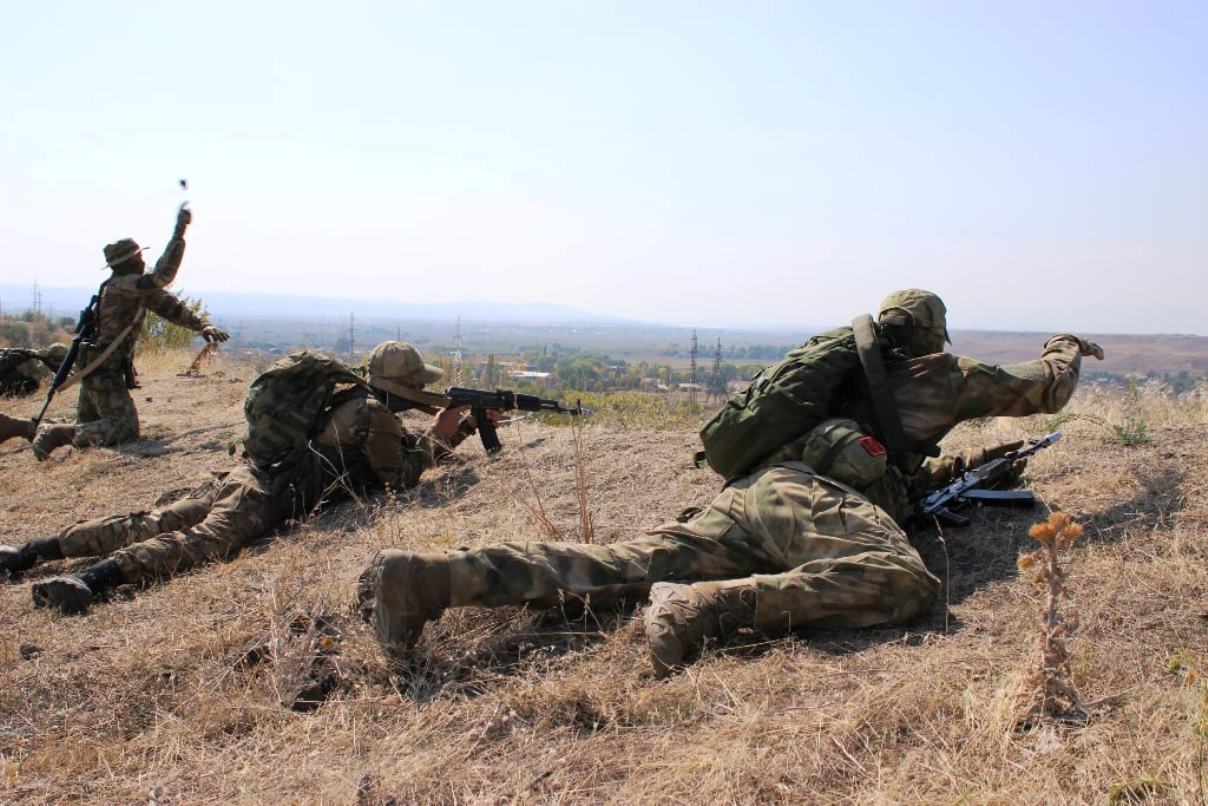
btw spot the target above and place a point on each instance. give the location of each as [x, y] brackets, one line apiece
[50, 437]
[17, 560]
[73, 593]
[400, 592]
[681, 617]
[12, 427]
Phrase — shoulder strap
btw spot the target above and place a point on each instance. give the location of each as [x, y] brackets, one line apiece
[100, 359]
[889, 425]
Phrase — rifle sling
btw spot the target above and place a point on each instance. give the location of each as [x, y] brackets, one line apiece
[108, 351]
[430, 399]
[885, 412]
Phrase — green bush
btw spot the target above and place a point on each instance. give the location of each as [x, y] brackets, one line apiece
[158, 334]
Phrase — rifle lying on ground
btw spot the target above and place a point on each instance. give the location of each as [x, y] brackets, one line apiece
[973, 485]
[482, 400]
[85, 329]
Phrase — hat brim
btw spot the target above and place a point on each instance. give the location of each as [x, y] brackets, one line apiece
[109, 264]
[429, 374]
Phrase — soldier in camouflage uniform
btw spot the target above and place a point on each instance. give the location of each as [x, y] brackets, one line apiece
[358, 445]
[21, 371]
[105, 414]
[780, 547]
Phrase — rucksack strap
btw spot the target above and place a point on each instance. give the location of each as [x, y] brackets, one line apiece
[885, 411]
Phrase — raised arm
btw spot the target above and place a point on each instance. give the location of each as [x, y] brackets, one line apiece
[166, 267]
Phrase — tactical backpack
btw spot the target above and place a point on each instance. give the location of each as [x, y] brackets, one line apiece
[285, 403]
[783, 402]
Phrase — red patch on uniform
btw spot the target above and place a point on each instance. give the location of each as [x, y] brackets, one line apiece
[871, 445]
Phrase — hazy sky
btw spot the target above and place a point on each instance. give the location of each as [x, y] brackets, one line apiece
[1041, 165]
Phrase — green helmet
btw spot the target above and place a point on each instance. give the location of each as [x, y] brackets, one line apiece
[916, 308]
[55, 353]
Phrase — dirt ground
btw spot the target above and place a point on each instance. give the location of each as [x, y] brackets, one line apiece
[251, 680]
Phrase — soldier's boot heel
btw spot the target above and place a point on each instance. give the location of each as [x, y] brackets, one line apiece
[681, 617]
[72, 594]
[16, 560]
[399, 593]
[49, 437]
[11, 427]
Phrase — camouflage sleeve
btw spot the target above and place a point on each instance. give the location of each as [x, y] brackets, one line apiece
[424, 450]
[164, 273]
[1016, 390]
[172, 308]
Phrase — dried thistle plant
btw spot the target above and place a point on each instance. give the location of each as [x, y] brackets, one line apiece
[194, 370]
[1050, 685]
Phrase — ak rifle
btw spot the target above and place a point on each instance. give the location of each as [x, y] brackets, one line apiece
[85, 329]
[975, 484]
[481, 401]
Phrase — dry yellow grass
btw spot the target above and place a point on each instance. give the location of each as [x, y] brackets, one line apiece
[175, 694]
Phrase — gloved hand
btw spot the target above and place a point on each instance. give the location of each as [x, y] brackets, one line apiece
[982, 455]
[1086, 347]
[213, 334]
[184, 217]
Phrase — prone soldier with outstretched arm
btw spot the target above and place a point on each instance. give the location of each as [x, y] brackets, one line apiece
[810, 531]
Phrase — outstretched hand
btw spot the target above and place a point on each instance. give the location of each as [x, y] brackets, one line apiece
[1086, 347]
[214, 334]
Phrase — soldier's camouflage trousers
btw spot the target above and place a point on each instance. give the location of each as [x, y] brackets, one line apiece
[814, 552]
[209, 525]
[105, 414]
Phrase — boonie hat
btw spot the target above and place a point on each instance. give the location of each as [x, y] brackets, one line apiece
[120, 251]
[395, 363]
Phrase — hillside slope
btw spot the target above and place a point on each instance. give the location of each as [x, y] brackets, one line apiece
[180, 692]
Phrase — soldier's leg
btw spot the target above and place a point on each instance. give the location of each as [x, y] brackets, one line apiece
[850, 566]
[400, 591]
[243, 510]
[11, 427]
[106, 415]
[100, 536]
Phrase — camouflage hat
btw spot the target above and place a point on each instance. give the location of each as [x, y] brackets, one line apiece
[914, 307]
[393, 364]
[56, 352]
[119, 252]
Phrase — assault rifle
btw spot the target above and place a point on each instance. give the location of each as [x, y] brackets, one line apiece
[973, 485]
[85, 329]
[482, 400]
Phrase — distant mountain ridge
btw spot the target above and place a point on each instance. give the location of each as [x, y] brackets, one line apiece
[67, 300]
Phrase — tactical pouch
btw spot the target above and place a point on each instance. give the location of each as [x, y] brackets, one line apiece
[838, 449]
